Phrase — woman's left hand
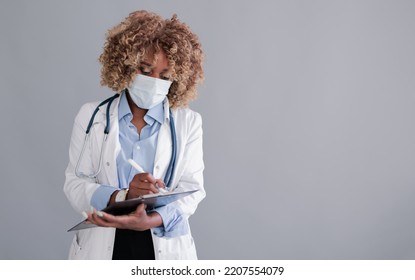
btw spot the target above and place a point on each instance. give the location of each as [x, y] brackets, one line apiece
[138, 220]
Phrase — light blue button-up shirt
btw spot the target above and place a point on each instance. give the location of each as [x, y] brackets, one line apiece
[142, 149]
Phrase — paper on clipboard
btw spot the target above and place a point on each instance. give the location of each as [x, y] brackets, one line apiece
[124, 207]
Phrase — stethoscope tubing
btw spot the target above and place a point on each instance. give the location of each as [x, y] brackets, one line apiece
[170, 169]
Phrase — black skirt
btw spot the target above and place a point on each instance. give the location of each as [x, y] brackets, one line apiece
[133, 245]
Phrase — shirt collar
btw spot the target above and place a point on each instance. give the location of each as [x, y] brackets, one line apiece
[123, 107]
[154, 114]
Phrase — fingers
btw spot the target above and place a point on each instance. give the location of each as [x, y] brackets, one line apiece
[144, 183]
[135, 221]
[160, 183]
[139, 189]
[102, 219]
[145, 177]
[140, 208]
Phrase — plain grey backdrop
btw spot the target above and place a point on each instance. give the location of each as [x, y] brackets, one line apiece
[308, 110]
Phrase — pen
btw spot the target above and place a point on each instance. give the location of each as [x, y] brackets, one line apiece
[136, 166]
[141, 170]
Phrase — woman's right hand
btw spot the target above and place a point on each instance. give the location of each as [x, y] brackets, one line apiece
[143, 183]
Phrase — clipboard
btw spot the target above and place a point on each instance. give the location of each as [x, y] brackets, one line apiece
[127, 206]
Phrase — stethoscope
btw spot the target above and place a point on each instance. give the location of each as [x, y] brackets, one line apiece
[108, 101]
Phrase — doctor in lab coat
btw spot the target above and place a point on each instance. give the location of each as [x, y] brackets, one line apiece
[156, 65]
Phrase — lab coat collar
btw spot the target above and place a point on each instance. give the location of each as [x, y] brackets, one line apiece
[153, 114]
[123, 108]
[116, 102]
[166, 109]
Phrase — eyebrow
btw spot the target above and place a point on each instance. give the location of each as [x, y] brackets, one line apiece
[152, 66]
[147, 64]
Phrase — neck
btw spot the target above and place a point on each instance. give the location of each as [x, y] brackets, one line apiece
[138, 113]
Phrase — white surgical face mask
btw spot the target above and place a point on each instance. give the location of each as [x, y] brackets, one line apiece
[147, 92]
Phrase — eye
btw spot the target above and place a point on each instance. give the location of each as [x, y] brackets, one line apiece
[145, 71]
[166, 75]
[167, 78]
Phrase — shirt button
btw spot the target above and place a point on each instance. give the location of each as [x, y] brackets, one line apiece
[157, 167]
[108, 164]
[138, 147]
[109, 248]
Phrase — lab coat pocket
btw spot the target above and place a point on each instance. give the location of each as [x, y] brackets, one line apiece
[177, 248]
[76, 247]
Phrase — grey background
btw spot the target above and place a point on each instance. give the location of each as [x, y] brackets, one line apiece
[308, 110]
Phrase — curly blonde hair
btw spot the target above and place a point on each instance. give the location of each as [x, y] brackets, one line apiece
[144, 32]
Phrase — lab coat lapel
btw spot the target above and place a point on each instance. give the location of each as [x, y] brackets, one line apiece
[112, 147]
[164, 146]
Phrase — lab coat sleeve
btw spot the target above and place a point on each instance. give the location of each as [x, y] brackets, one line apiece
[174, 222]
[192, 166]
[102, 196]
[189, 177]
[79, 191]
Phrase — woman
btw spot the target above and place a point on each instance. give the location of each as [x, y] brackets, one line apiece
[155, 65]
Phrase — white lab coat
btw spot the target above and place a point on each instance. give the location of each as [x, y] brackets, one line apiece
[97, 243]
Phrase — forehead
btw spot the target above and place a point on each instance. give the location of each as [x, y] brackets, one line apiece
[153, 58]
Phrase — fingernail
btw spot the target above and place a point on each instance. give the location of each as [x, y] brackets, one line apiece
[92, 210]
[85, 214]
[100, 214]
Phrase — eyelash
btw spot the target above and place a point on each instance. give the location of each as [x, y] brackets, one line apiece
[144, 72]
[147, 73]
